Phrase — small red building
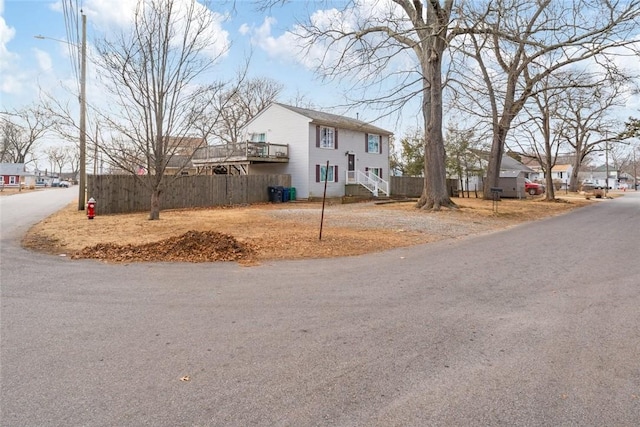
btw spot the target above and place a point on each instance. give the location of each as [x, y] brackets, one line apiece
[11, 174]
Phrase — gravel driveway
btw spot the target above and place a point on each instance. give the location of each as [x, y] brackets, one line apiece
[397, 216]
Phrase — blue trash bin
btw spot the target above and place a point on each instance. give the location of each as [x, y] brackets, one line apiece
[286, 195]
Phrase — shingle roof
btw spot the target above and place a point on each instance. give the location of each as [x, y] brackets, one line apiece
[343, 122]
[12, 169]
[509, 163]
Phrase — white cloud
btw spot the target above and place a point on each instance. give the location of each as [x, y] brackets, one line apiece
[7, 33]
[10, 81]
[106, 16]
[44, 60]
[294, 44]
[280, 47]
[10, 84]
[286, 47]
[106, 13]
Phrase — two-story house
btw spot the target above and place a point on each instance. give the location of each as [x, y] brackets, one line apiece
[300, 142]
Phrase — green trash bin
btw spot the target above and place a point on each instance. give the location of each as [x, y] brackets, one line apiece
[292, 193]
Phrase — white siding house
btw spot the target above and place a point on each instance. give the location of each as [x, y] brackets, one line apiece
[357, 152]
[562, 175]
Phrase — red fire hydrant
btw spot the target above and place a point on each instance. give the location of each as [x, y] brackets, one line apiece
[91, 208]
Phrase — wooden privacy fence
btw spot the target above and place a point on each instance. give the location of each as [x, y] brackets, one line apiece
[126, 193]
[410, 186]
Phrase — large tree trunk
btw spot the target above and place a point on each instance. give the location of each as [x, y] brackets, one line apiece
[434, 193]
[574, 173]
[550, 190]
[495, 162]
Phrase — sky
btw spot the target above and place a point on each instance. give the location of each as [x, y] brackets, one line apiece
[28, 63]
[26, 60]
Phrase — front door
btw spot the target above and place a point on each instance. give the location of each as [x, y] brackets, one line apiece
[351, 168]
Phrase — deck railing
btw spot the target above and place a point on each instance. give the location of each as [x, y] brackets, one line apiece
[242, 151]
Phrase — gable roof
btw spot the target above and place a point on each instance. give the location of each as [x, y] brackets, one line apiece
[509, 163]
[341, 122]
[12, 169]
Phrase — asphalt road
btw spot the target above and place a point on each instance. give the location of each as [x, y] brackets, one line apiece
[538, 325]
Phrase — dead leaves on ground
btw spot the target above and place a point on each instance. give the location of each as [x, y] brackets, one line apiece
[192, 246]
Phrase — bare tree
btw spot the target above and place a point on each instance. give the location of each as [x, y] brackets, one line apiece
[10, 133]
[462, 146]
[364, 43]
[584, 112]
[301, 100]
[235, 107]
[57, 157]
[515, 44]
[21, 132]
[539, 134]
[150, 75]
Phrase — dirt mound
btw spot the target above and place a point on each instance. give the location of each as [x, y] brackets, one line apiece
[192, 246]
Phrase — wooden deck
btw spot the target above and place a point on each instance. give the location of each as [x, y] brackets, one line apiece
[244, 152]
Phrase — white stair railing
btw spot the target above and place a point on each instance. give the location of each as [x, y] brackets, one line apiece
[369, 180]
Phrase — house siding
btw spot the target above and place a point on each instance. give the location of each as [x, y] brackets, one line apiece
[349, 141]
[366, 161]
[284, 126]
[319, 157]
[11, 174]
[563, 175]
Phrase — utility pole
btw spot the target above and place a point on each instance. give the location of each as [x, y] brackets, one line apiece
[95, 154]
[606, 160]
[83, 117]
[635, 170]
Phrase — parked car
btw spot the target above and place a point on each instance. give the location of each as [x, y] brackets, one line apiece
[65, 184]
[533, 188]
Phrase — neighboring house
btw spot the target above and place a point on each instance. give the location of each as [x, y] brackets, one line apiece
[537, 174]
[185, 145]
[598, 177]
[12, 174]
[283, 139]
[512, 165]
[181, 149]
[561, 174]
[181, 164]
[509, 168]
[625, 180]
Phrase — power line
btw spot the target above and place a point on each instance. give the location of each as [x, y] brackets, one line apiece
[73, 36]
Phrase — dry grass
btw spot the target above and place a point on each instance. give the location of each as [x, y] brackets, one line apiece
[11, 191]
[348, 229]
